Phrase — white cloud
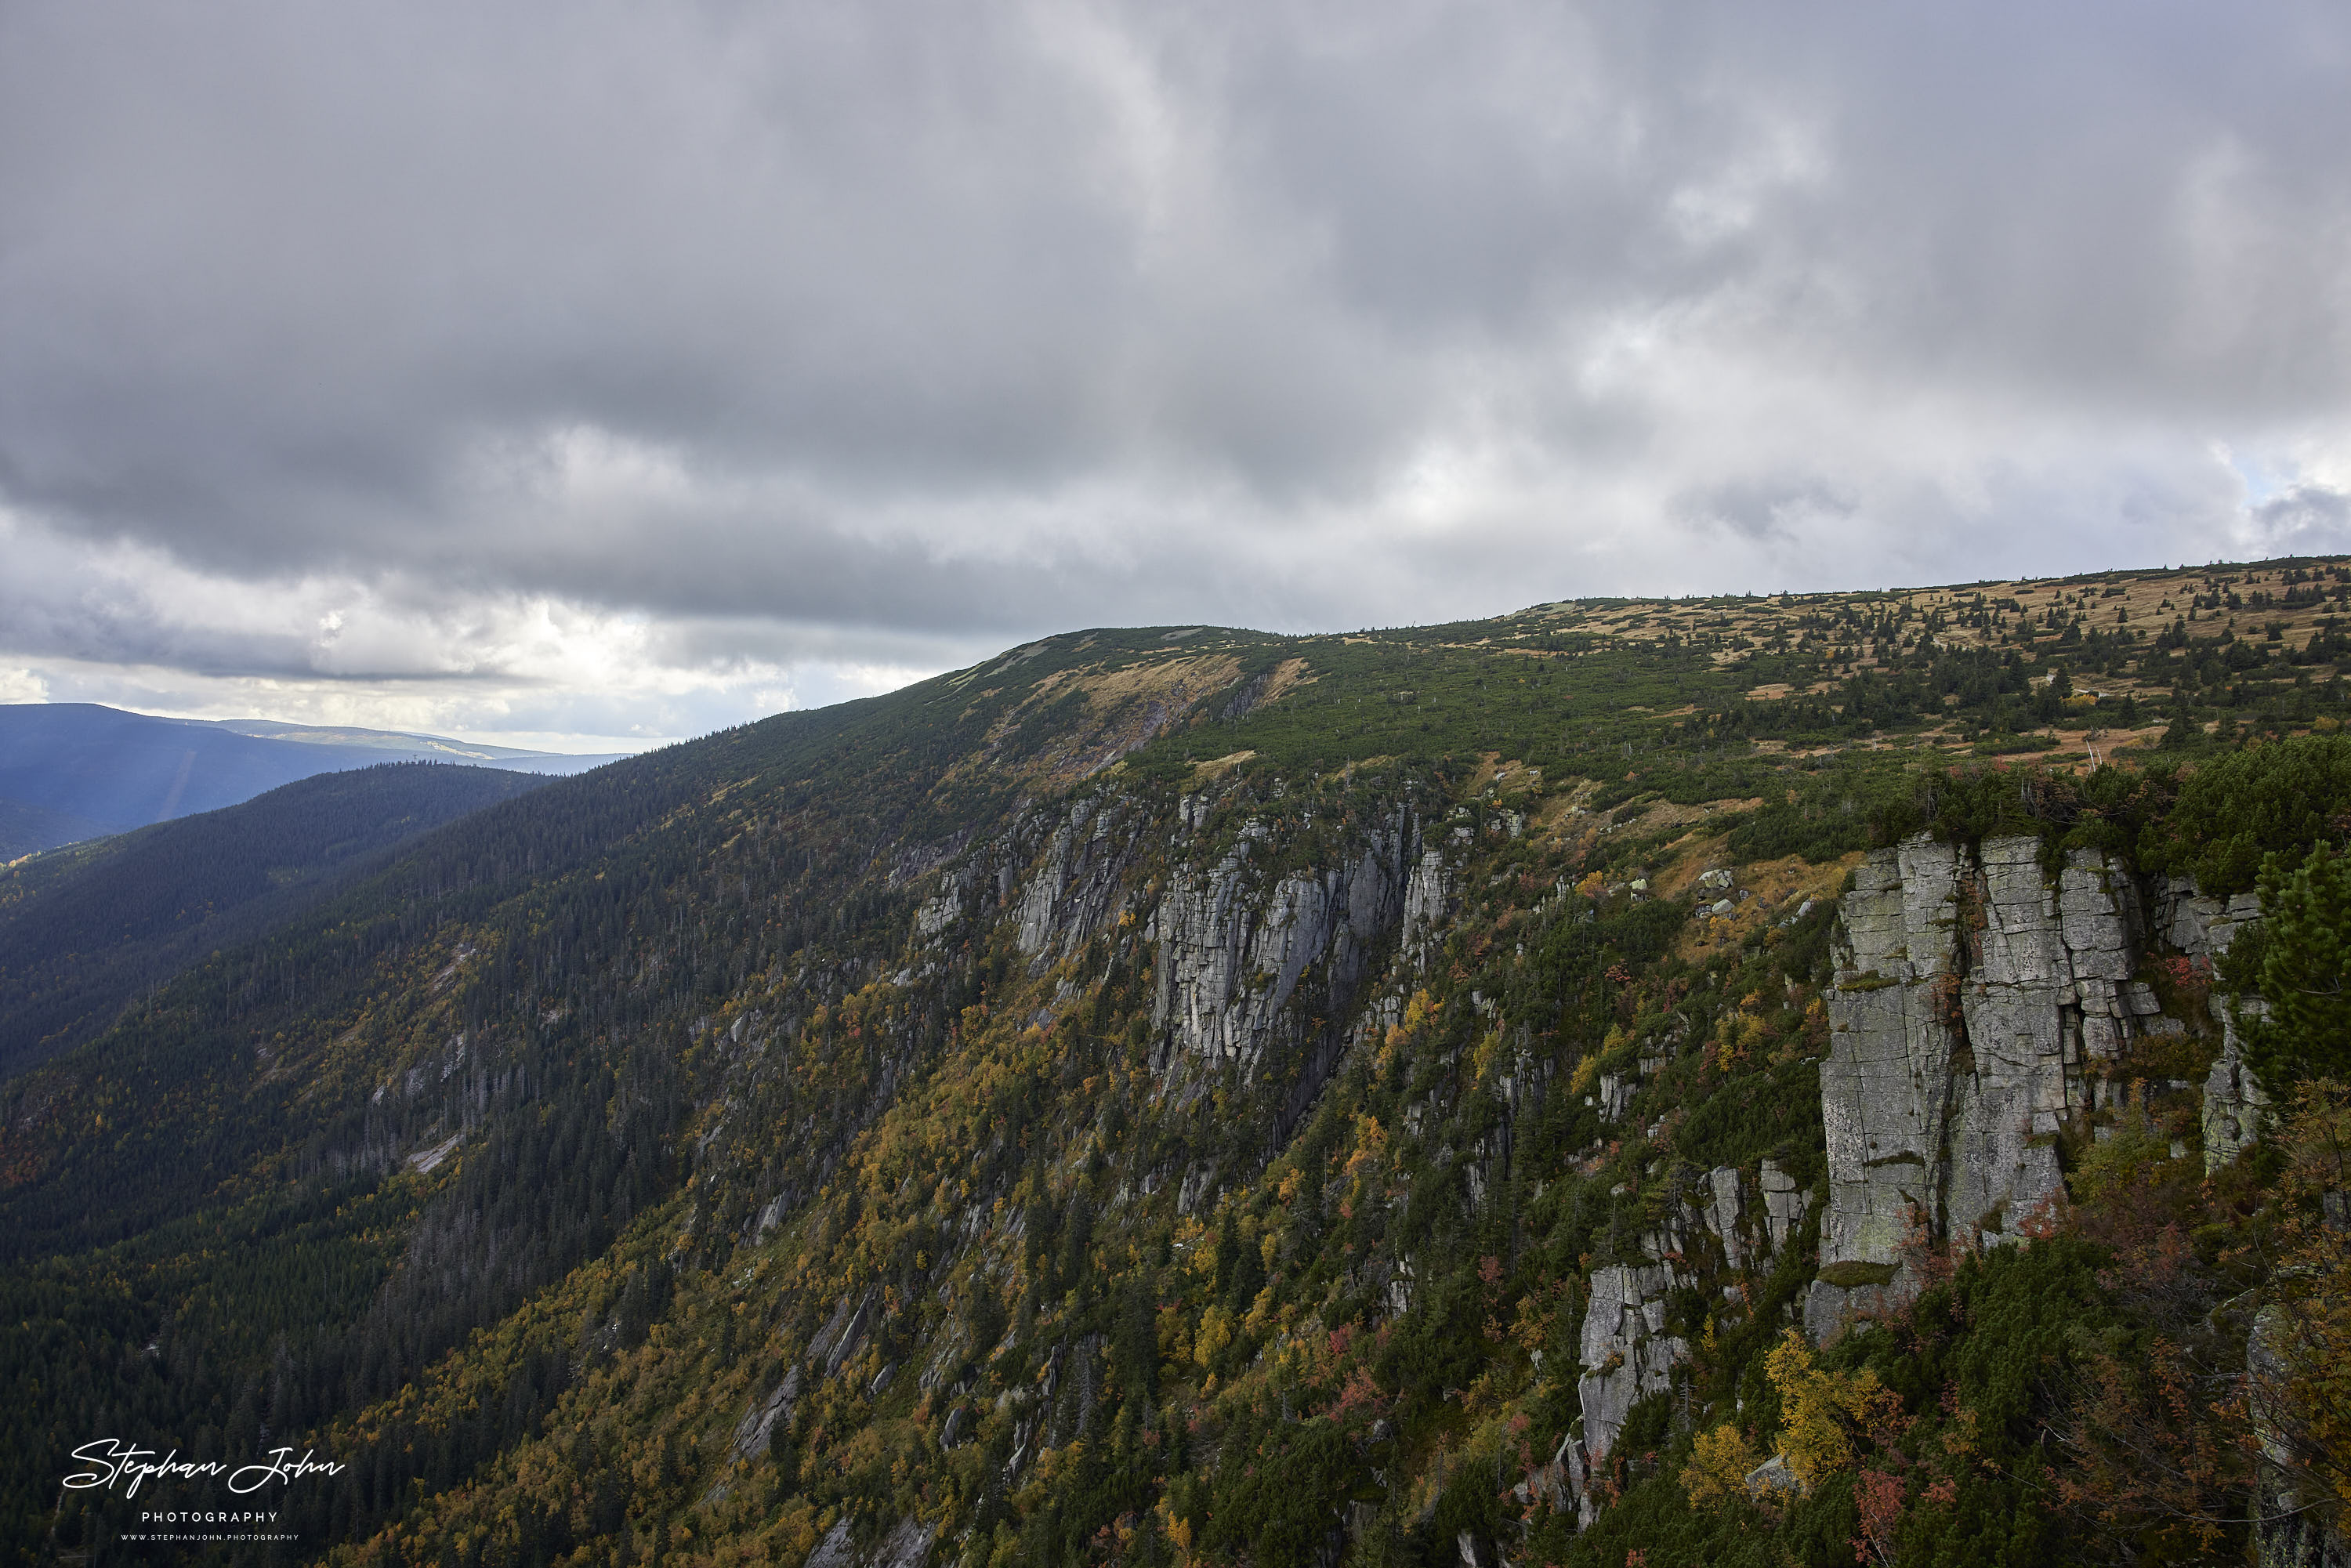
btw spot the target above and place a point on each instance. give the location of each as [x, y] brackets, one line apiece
[525, 670]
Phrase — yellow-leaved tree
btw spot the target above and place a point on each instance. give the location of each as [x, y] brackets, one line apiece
[1720, 1464]
[1215, 1332]
[1822, 1412]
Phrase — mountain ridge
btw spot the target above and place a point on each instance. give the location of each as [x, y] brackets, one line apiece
[1124, 1102]
[75, 771]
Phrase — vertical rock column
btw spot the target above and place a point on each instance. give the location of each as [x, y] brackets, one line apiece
[1886, 1084]
[2020, 1044]
[1783, 1205]
[1428, 905]
[1627, 1353]
[2201, 927]
[2234, 1102]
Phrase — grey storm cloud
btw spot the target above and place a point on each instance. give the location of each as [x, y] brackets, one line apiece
[948, 323]
[2306, 512]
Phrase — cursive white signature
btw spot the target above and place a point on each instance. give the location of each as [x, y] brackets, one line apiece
[112, 1461]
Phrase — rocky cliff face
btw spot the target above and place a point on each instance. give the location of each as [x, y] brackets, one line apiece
[1076, 887]
[1978, 1001]
[1244, 954]
[1255, 966]
[1627, 1354]
[1974, 995]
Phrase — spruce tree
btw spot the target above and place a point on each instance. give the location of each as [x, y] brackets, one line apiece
[2304, 969]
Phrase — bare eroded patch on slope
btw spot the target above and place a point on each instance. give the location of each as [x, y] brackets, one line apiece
[1123, 710]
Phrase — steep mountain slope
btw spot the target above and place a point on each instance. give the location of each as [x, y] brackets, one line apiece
[1182, 1095]
[82, 929]
[74, 770]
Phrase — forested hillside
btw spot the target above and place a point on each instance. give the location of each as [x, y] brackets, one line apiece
[1817, 1079]
[83, 929]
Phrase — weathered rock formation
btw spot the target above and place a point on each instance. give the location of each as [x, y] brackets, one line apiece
[1248, 961]
[1784, 1205]
[1721, 1211]
[1972, 991]
[906, 1545]
[2233, 1100]
[1627, 1356]
[1975, 999]
[759, 1422]
[1428, 905]
[2198, 925]
[1076, 887]
[1625, 1352]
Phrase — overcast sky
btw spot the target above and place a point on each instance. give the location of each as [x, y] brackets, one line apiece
[593, 374]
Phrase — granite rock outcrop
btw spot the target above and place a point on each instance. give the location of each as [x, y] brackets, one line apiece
[1627, 1356]
[1973, 995]
[1975, 1003]
[1250, 960]
[1078, 884]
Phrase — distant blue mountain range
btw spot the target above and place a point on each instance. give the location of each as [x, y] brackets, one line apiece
[70, 771]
